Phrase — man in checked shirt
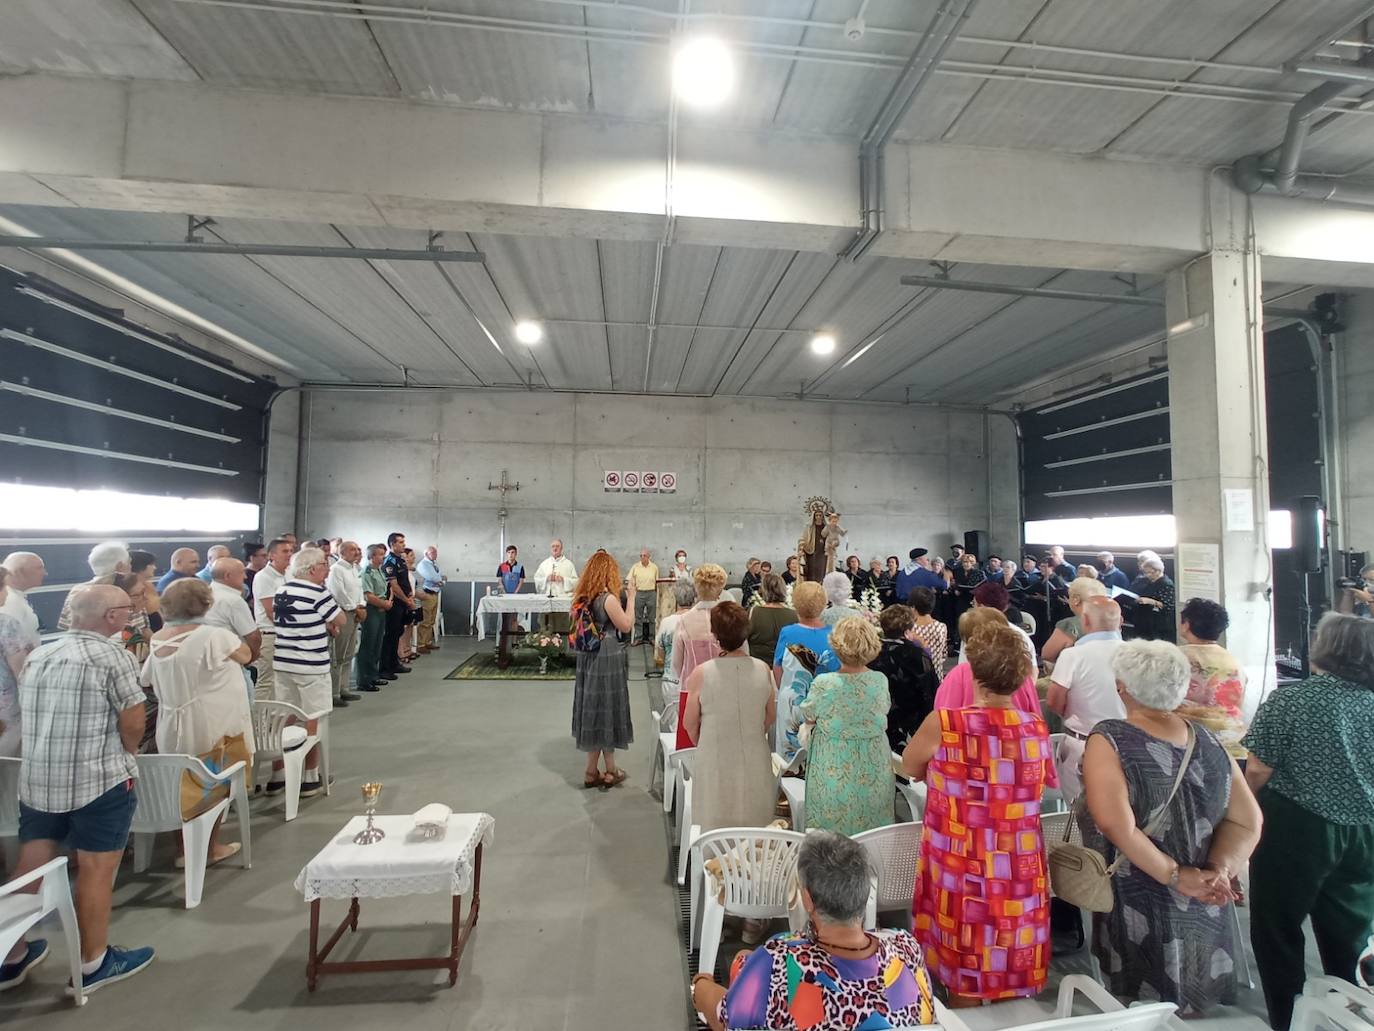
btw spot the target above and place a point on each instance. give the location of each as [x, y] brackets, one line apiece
[82, 722]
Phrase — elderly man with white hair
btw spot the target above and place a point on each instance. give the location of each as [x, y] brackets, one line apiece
[307, 617]
[83, 720]
[107, 560]
[1110, 573]
[1083, 687]
[346, 587]
[215, 552]
[26, 571]
[1163, 793]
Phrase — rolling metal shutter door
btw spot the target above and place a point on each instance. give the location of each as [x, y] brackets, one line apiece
[1105, 452]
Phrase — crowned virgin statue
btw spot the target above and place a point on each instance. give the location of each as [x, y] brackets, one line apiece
[818, 549]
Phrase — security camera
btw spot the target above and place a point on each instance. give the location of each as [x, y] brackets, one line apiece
[854, 29]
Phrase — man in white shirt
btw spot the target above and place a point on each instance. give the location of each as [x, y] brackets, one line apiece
[346, 587]
[26, 571]
[265, 586]
[230, 610]
[556, 577]
[1083, 687]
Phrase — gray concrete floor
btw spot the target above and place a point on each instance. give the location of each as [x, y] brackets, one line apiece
[578, 925]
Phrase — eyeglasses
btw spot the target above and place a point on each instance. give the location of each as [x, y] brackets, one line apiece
[118, 608]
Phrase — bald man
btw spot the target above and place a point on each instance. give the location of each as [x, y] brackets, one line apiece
[26, 571]
[217, 551]
[185, 562]
[83, 720]
[1083, 687]
[230, 610]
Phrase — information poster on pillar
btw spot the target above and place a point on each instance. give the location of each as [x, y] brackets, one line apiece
[1199, 571]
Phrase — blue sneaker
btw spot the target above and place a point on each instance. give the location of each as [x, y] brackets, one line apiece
[117, 965]
[13, 974]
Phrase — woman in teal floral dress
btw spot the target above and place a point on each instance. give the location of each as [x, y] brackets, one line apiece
[849, 785]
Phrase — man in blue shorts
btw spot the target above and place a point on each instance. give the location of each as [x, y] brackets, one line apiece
[83, 720]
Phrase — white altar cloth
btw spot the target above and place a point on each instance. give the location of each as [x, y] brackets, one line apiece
[523, 605]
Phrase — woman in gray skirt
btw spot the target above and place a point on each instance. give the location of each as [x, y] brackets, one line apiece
[601, 694]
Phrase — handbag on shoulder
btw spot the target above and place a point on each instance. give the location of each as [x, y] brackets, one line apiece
[1079, 874]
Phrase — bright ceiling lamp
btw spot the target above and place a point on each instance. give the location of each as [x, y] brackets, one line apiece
[822, 343]
[703, 72]
[528, 332]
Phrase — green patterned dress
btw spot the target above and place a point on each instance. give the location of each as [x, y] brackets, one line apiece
[849, 786]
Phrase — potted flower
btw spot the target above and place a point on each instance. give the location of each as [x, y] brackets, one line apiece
[546, 646]
[870, 605]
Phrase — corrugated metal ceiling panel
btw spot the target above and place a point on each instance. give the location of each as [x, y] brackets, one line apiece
[86, 37]
[229, 291]
[269, 50]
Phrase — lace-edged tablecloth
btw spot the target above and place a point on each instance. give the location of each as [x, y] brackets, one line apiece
[523, 605]
[402, 863]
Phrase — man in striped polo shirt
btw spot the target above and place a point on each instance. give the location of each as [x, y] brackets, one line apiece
[307, 618]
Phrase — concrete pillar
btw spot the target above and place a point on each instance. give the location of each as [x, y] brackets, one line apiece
[1220, 448]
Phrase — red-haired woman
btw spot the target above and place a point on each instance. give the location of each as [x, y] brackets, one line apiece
[601, 694]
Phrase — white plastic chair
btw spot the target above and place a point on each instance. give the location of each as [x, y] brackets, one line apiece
[9, 810]
[792, 788]
[1329, 1001]
[1113, 1016]
[895, 853]
[913, 791]
[666, 756]
[21, 910]
[757, 876]
[439, 614]
[159, 809]
[289, 743]
[687, 831]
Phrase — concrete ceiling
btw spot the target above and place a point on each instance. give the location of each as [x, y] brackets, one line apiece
[730, 320]
[1173, 80]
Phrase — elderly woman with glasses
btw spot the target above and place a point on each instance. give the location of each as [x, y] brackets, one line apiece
[1168, 936]
[1311, 763]
[834, 976]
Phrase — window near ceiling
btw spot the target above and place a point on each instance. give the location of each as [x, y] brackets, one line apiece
[29, 507]
[1140, 531]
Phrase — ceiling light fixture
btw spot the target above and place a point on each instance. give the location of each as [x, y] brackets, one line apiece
[703, 72]
[822, 343]
[528, 332]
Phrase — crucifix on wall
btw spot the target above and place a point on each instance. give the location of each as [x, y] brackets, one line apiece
[505, 487]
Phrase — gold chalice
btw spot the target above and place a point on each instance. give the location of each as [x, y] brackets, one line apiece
[370, 835]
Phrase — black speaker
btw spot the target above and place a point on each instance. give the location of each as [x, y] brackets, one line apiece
[976, 542]
[1308, 521]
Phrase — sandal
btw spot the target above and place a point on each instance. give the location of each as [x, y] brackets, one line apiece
[592, 782]
[611, 780]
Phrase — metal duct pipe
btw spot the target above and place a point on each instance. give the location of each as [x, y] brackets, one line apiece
[280, 250]
[936, 283]
[1335, 70]
[935, 42]
[1299, 118]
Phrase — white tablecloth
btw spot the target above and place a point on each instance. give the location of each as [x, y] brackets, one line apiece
[402, 863]
[523, 605]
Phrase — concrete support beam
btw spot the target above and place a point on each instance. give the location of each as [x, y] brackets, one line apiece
[1217, 424]
[190, 148]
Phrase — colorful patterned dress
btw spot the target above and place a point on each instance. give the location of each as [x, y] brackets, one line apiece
[792, 984]
[849, 786]
[982, 894]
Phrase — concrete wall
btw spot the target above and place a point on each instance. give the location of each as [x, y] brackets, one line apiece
[421, 463]
[1357, 419]
[283, 453]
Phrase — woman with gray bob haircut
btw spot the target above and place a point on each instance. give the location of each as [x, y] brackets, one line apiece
[1168, 935]
[843, 967]
[838, 592]
[685, 596]
[1311, 765]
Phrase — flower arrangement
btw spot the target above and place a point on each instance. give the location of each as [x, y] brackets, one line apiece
[870, 604]
[546, 646]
